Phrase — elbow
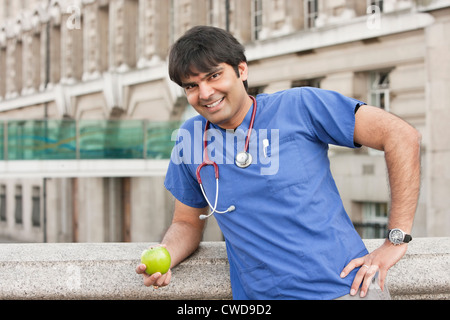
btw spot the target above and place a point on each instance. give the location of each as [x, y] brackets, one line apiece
[414, 140]
[406, 138]
[419, 136]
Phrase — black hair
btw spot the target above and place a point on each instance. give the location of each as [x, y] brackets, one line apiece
[203, 48]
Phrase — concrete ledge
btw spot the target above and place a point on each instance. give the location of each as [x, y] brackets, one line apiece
[83, 168]
[423, 273]
[107, 271]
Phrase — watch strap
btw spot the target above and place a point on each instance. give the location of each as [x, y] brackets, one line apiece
[407, 238]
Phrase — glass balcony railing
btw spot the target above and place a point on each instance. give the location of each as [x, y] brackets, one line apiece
[86, 139]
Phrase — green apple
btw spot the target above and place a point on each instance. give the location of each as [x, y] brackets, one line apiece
[157, 259]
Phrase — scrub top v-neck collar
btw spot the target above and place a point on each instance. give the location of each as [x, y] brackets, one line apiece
[244, 124]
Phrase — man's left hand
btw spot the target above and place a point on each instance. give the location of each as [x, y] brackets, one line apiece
[380, 260]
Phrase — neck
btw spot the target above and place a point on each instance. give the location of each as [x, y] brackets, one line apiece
[240, 115]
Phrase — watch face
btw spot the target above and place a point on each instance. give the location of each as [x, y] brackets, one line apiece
[396, 236]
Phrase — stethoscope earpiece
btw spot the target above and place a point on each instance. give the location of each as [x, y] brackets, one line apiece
[243, 160]
[204, 216]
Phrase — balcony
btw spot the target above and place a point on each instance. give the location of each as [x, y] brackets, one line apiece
[55, 148]
[106, 271]
[86, 139]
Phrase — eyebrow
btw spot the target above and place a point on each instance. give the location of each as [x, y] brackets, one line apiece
[209, 74]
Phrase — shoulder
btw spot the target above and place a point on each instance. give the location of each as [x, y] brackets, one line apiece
[280, 100]
[293, 94]
[313, 98]
[290, 100]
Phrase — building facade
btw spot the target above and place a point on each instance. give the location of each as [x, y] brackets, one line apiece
[107, 59]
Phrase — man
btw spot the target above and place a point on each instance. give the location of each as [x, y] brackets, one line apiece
[286, 231]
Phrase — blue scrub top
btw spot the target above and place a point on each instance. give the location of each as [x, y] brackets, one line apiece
[289, 236]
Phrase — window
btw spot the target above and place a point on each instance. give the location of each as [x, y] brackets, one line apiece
[36, 207]
[103, 37]
[55, 44]
[379, 89]
[2, 70]
[14, 58]
[378, 3]
[311, 13]
[375, 212]
[7, 9]
[36, 58]
[307, 83]
[3, 139]
[2, 203]
[375, 219]
[18, 213]
[257, 19]
[212, 21]
[254, 91]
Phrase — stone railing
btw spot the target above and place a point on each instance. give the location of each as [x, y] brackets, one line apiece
[107, 271]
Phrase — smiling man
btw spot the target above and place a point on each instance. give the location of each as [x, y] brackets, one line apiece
[215, 81]
[217, 96]
[287, 235]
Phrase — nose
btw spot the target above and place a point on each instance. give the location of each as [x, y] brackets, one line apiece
[205, 91]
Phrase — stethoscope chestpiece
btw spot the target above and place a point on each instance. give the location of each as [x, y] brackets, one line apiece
[243, 159]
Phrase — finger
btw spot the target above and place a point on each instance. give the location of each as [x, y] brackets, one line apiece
[140, 269]
[382, 278]
[352, 265]
[358, 279]
[168, 278]
[370, 273]
[150, 280]
[164, 280]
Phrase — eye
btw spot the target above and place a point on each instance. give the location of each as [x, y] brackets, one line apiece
[189, 87]
[215, 76]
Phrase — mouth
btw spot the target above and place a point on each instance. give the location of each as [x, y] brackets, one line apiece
[215, 104]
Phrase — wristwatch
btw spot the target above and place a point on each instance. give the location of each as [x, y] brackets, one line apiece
[398, 236]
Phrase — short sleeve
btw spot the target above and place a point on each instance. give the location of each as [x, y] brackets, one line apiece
[331, 116]
[180, 178]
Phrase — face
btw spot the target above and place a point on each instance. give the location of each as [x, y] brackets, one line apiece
[219, 95]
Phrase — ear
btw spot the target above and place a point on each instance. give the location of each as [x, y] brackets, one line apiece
[243, 71]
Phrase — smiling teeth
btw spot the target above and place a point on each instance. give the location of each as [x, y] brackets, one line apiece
[214, 104]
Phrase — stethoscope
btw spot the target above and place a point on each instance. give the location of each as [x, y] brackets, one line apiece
[243, 160]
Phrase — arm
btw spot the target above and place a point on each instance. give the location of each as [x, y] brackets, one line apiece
[181, 240]
[185, 233]
[400, 142]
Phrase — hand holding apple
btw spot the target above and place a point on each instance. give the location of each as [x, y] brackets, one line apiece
[156, 259]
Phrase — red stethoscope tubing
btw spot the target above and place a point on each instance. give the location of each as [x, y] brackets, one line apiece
[208, 162]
